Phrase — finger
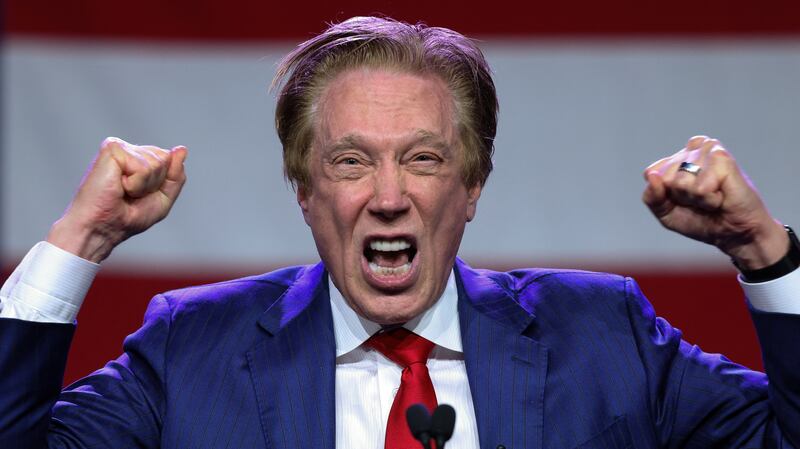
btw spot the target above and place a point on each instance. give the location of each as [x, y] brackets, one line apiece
[663, 165]
[138, 181]
[670, 169]
[655, 195]
[700, 190]
[732, 181]
[656, 166]
[717, 166]
[696, 142]
[671, 172]
[143, 167]
[176, 166]
[114, 150]
[158, 160]
[176, 174]
[693, 155]
[693, 152]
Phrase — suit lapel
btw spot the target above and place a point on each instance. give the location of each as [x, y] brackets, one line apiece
[505, 367]
[293, 368]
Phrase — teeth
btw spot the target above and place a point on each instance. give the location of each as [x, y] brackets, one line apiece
[389, 271]
[389, 245]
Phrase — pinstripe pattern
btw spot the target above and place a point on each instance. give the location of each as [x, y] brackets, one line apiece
[294, 369]
[555, 359]
[506, 369]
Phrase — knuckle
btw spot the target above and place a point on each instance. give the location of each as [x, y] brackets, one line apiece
[719, 152]
[153, 164]
[709, 144]
[141, 164]
[683, 183]
[148, 159]
[156, 152]
[109, 141]
[110, 144]
[656, 164]
[702, 190]
[696, 141]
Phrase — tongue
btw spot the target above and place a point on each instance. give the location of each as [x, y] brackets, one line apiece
[390, 259]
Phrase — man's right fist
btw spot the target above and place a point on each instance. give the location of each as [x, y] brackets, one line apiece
[127, 189]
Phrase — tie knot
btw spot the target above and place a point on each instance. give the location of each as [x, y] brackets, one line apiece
[401, 346]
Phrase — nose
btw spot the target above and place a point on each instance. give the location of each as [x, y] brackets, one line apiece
[390, 199]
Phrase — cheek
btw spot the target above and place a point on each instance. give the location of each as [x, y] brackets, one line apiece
[445, 214]
[336, 210]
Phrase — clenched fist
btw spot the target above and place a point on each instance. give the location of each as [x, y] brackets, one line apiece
[127, 189]
[716, 205]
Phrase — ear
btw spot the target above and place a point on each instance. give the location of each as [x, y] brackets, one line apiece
[303, 195]
[473, 194]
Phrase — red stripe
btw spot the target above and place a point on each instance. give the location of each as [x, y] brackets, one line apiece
[255, 20]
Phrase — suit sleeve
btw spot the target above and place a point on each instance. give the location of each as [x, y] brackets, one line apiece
[118, 406]
[779, 335]
[701, 400]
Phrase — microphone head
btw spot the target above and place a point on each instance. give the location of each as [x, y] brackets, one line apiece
[419, 420]
[443, 422]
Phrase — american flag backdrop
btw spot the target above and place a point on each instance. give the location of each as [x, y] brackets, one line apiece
[590, 94]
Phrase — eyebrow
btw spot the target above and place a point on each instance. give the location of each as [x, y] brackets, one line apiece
[421, 137]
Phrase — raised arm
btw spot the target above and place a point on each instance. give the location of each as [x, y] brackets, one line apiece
[127, 189]
[702, 193]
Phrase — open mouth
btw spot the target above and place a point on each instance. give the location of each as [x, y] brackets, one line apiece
[390, 257]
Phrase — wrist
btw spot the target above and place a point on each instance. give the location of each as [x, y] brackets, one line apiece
[787, 264]
[762, 249]
[88, 242]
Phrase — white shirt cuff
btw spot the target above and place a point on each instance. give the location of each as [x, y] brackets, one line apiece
[780, 295]
[49, 285]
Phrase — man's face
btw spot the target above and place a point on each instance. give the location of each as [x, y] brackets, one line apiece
[387, 205]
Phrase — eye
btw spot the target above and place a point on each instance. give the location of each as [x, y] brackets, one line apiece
[425, 158]
[348, 160]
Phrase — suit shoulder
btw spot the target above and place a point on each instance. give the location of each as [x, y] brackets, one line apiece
[535, 287]
[564, 278]
[258, 291]
[521, 279]
[530, 286]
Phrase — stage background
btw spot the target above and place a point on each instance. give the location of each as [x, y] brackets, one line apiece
[590, 94]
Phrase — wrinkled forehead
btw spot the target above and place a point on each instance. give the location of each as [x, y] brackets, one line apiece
[385, 103]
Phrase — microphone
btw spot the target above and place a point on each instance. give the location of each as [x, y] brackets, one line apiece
[419, 422]
[442, 424]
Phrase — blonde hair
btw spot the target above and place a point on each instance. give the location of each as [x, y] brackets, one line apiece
[386, 43]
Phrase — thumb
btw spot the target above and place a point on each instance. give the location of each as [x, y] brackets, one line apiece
[176, 173]
[655, 194]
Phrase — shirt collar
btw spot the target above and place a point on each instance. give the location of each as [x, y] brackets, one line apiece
[439, 323]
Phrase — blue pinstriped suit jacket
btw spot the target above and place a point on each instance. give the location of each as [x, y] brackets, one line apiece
[555, 359]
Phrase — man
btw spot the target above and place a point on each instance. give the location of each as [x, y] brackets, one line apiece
[388, 132]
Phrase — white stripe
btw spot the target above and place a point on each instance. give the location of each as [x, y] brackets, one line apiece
[578, 123]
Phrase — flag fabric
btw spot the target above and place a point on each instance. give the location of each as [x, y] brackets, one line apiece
[590, 94]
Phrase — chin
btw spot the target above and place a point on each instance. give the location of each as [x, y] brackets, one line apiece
[396, 313]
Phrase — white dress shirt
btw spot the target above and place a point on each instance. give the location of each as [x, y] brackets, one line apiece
[366, 381]
[49, 285]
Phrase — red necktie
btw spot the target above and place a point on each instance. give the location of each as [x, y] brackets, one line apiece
[410, 351]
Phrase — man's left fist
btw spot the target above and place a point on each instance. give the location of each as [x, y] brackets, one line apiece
[717, 205]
